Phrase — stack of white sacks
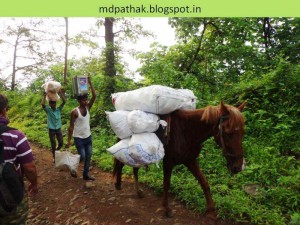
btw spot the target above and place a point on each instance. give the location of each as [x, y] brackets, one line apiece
[136, 119]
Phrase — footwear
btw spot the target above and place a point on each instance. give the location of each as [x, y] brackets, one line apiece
[73, 173]
[88, 178]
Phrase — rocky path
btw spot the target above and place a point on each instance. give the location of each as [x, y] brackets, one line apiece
[64, 200]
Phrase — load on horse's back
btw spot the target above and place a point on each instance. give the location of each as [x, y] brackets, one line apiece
[188, 129]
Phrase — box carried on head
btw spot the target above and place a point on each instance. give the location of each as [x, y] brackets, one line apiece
[79, 86]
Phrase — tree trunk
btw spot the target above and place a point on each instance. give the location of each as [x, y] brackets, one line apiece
[13, 76]
[109, 53]
[110, 70]
[66, 51]
[188, 69]
[267, 35]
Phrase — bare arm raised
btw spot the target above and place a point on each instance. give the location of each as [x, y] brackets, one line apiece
[92, 100]
[43, 103]
[63, 97]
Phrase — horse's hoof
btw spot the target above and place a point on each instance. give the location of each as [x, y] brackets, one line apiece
[140, 194]
[169, 213]
[118, 187]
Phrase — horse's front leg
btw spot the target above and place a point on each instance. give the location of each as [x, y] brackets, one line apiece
[167, 180]
[117, 172]
[139, 192]
[198, 174]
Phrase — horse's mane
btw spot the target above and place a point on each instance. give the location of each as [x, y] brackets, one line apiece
[212, 114]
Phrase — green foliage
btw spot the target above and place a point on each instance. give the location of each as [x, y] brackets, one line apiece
[161, 67]
[295, 219]
[272, 106]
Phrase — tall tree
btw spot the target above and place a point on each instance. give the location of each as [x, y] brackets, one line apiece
[109, 50]
[110, 70]
[66, 51]
[27, 38]
[124, 30]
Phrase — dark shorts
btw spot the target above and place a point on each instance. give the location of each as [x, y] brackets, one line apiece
[17, 217]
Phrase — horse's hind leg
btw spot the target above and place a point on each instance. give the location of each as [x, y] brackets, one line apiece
[117, 172]
[139, 192]
[210, 205]
[167, 180]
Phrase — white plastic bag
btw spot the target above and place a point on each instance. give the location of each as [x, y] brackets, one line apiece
[142, 122]
[146, 148]
[139, 150]
[121, 152]
[66, 159]
[125, 123]
[52, 88]
[155, 99]
[119, 124]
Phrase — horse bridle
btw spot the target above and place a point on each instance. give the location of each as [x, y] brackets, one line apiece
[225, 153]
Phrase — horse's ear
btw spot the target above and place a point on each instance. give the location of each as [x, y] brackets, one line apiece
[224, 110]
[242, 106]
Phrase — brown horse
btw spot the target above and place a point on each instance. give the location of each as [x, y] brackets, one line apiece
[187, 130]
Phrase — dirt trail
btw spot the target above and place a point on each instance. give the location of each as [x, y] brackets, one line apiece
[64, 200]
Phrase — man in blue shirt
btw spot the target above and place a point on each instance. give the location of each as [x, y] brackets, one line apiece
[54, 121]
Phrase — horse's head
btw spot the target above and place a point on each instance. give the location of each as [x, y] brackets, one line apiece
[229, 133]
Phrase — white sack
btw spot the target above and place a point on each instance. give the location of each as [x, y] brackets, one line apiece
[140, 149]
[142, 122]
[119, 124]
[121, 152]
[66, 159]
[125, 123]
[155, 99]
[52, 88]
[146, 148]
